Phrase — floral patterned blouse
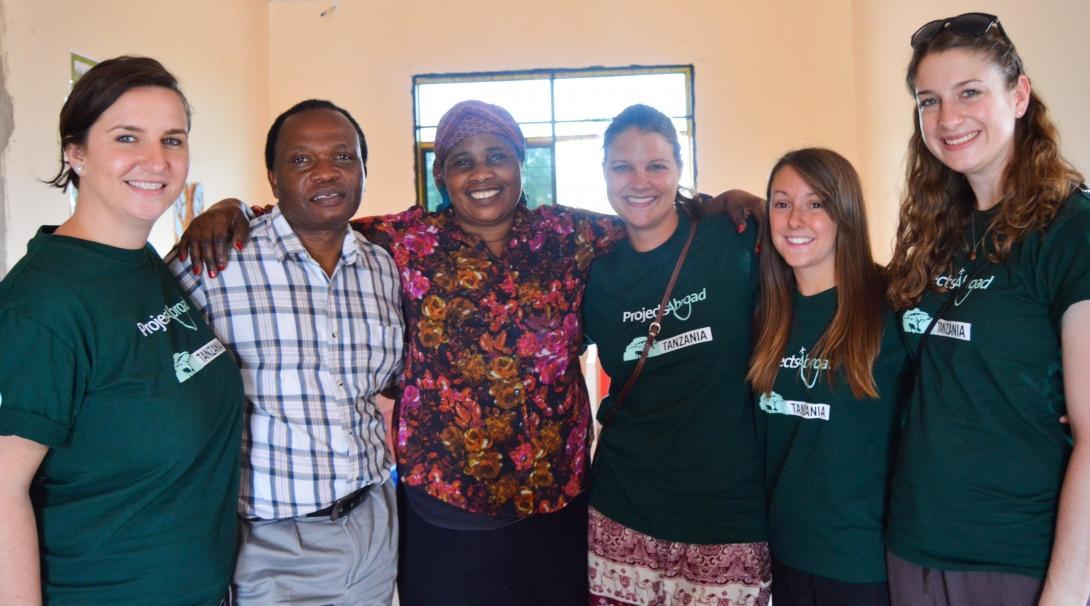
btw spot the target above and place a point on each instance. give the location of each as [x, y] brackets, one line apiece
[493, 416]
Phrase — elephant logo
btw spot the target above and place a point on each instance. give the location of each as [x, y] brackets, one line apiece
[183, 366]
[772, 403]
[916, 321]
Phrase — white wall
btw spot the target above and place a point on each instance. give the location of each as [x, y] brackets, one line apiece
[218, 49]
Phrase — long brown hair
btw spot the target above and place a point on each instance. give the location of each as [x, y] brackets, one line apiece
[852, 339]
[938, 202]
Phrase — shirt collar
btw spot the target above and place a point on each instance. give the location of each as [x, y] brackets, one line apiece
[287, 243]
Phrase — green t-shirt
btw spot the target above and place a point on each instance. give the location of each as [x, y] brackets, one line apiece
[680, 459]
[106, 362]
[982, 454]
[828, 453]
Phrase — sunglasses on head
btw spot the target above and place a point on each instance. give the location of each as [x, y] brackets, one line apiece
[969, 24]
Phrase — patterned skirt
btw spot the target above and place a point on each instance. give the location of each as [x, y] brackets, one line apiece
[627, 568]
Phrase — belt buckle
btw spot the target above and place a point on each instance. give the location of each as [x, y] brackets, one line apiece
[337, 511]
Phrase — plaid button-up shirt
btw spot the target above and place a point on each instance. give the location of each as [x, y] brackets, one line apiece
[314, 351]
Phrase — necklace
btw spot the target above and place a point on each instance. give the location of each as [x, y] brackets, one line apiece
[977, 243]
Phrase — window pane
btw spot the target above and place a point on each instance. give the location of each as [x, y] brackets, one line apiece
[579, 174]
[527, 100]
[584, 98]
[537, 178]
[584, 102]
[593, 128]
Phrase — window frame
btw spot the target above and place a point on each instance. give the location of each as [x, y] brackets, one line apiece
[420, 149]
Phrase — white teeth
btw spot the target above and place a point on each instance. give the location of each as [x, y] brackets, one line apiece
[324, 196]
[962, 139]
[146, 185]
[640, 199]
[798, 240]
[481, 195]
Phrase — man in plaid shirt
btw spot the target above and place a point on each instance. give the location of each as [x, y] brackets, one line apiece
[311, 311]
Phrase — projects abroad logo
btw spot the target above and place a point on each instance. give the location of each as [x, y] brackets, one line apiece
[952, 282]
[170, 313]
[805, 364]
[675, 306]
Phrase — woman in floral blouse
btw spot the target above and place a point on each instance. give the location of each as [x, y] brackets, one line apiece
[493, 423]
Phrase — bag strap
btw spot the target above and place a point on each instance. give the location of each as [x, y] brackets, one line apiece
[655, 327]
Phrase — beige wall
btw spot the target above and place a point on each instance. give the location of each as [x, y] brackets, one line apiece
[763, 79]
[769, 77]
[5, 134]
[218, 49]
[1052, 39]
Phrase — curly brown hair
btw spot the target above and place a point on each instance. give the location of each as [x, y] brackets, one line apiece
[938, 201]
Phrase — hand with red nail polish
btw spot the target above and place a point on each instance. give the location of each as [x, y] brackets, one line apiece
[210, 235]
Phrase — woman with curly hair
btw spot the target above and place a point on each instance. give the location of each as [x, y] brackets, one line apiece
[992, 271]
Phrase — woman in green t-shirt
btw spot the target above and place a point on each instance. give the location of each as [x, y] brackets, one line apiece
[119, 413]
[677, 508]
[990, 495]
[829, 365]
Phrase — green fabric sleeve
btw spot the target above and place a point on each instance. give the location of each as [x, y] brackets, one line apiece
[1066, 262]
[39, 382]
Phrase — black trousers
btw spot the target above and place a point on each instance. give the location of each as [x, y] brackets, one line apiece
[793, 587]
[539, 560]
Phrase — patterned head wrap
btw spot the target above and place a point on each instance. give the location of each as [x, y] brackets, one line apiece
[470, 118]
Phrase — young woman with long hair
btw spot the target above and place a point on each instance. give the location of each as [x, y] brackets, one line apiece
[990, 496]
[829, 368]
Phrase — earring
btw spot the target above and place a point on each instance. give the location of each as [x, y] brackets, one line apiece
[78, 169]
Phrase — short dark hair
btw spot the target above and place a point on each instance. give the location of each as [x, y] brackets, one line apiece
[646, 119]
[96, 91]
[304, 106]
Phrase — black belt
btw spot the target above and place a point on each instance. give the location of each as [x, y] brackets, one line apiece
[342, 506]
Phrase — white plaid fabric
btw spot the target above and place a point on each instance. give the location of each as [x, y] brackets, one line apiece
[314, 350]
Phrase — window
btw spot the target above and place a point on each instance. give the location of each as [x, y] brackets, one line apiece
[563, 114]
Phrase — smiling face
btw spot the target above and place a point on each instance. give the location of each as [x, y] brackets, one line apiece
[641, 182]
[968, 112]
[318, 173]
[484, 179]
[134, 161]
[802, 231]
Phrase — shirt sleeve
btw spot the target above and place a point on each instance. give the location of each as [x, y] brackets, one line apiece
[1065, 263]
[41, 381]
[191, 283]
[604, 231]
[385, 230]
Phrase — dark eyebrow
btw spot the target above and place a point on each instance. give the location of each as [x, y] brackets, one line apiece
[958, 85]
[136, 129]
